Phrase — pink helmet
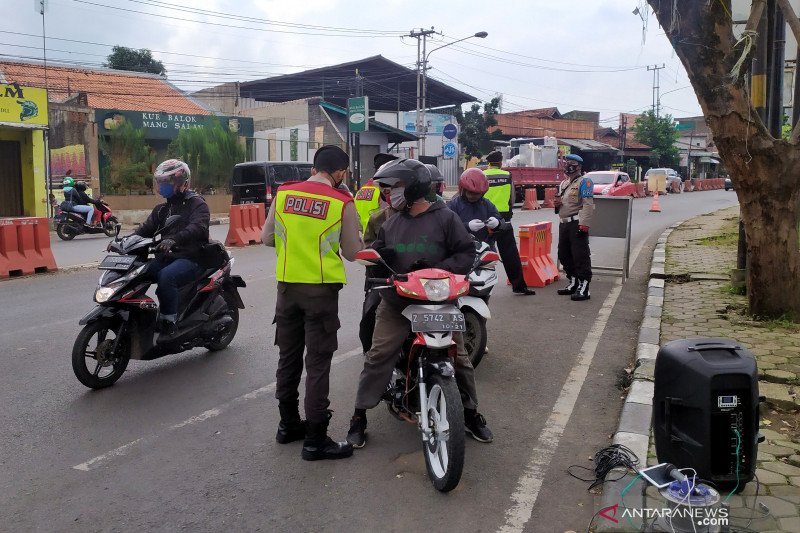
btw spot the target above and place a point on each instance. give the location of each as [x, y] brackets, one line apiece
[172, 171]
[473, 180]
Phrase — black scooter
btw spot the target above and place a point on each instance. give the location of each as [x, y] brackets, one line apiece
[70, 224]
[123, 324]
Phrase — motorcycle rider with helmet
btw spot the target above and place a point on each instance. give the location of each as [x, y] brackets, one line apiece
[421, 235]
[482, 219]
[76, 199]
[177, 255]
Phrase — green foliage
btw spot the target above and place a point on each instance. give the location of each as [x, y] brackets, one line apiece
[659, 134]
[129, 159]
[630, 168]
[474, 124]
[210, 152]
[122, 58]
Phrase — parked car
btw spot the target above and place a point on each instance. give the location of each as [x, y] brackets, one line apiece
[671, 176]
[728, 183]
[611, 183]
[258, 181]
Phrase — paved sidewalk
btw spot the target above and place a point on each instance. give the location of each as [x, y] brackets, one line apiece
[690, 295]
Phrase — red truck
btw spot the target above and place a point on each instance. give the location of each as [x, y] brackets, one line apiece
[533, 177]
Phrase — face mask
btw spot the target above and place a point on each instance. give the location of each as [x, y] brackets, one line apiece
[166, 190]
[397, 198]
[571, 168]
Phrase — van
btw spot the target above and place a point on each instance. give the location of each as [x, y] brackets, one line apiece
[668, 177]
[258, 181]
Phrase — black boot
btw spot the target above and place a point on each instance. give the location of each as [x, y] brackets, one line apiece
[291, 426]
[571, 288]
[357, 435]
[582, 291]
[318, 445]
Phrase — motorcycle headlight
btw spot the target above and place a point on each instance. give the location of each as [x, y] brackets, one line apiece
[436, 290]
[104, 294]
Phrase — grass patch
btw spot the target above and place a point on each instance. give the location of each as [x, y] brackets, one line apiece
[723, 239]
[784, 324]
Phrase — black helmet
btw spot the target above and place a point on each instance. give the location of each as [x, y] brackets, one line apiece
[410, 173]
[81, 186]
[436, 176]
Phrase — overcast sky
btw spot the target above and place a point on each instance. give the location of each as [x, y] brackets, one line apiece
[573, 54]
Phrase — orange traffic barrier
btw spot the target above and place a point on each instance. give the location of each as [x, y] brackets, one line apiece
[675, 186]
[531, 202]
[640, 190]
[25, 247]
[538, 266]
[654, 207]
[549, 197]
[246, 224]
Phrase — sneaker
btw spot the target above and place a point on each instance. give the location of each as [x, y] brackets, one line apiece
[570, 288]
[357, 436]
[476, 426]
[167, 332]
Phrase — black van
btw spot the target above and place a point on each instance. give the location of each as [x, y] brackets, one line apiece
[258, 181]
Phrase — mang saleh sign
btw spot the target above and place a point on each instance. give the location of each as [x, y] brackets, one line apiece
[167, 125]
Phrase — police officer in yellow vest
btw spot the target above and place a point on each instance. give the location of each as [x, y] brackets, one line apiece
[309, 224]
[501, 188]
[368, 198]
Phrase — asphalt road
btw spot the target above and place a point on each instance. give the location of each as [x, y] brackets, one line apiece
[187, 442]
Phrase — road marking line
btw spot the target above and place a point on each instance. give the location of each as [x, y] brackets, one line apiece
[206, 415]
[530, 483]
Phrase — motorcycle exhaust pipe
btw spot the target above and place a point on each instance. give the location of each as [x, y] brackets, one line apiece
[220, 325]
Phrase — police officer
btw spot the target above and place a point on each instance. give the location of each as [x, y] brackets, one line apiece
[575, 205]
[309, 223]
[501, 194]
[368, 197]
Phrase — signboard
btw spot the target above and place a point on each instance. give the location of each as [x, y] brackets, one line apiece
[358, 114]
[449, 150]
[168, 125]
[436, 122]
[682, 126]
[68, 158]
[23, 105]
[450, 131]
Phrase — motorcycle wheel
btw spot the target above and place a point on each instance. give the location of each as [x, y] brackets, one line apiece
[65, 232]
[227, 336]
[93, 362]
[444, 450]
[109, 228]
[475, 336]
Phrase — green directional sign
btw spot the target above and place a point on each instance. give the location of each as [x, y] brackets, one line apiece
[681, 126]
[358, 113]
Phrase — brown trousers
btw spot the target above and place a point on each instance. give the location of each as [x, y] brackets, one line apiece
[306, 319]
[391, 329]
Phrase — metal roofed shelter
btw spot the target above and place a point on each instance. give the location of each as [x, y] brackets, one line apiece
[389, 85]
[393, 135]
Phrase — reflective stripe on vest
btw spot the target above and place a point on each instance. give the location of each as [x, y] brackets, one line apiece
[499, 195]
[368, 201]
[308, 226]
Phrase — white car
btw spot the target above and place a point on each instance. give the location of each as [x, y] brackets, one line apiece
[671, 177]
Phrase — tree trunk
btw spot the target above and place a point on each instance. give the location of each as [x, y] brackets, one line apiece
[764, 169]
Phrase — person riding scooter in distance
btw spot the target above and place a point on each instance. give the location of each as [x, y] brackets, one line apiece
[482, 219]
[420, 235]
[76, 200]
[80, 187]
[176, 260]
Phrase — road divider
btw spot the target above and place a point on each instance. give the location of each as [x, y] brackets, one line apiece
[531, 201]
[246, 224]
[25, 247]
[535, 242]
[549, 197]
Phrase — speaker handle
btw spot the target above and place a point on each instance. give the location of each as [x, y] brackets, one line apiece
[713, 346]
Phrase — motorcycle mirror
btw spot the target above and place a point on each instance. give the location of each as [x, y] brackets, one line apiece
[489, 258]
[117, 229]
[171, 220]
[368, 257]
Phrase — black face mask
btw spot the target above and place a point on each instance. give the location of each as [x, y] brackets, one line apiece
[572, 168]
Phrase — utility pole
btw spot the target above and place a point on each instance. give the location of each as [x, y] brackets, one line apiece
[623, 132]
[421, 37]
[656, 83]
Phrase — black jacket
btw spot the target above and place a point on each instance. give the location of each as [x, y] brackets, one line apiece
[76, 197]
[190, 233]
[482, 210]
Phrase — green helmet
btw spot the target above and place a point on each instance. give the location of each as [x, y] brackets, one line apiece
[69, 182]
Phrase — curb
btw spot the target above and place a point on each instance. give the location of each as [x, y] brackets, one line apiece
[633, 430]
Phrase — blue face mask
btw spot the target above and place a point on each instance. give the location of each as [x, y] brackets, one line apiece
[166, 190]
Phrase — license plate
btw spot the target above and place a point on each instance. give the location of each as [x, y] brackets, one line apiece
[428, 322]
[117, 262]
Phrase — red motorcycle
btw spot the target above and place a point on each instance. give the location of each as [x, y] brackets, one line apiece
[423, 388]
[70, 224]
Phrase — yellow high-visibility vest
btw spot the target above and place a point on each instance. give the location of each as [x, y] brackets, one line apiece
[308, 226]
[500, 188]
[368, 201]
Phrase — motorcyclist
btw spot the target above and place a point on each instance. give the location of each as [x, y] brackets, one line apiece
[91, 202]
[421, 235]
[482, 219]
[76, 199]
[176, 260]
[437, 184]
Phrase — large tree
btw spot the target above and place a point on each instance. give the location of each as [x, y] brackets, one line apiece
[659, 133]
[122, 58]
[474, 136]
[764, 168]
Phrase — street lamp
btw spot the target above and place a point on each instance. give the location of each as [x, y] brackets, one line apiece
[421, 115]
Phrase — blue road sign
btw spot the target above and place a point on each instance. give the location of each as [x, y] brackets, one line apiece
[449, 150]
[450, 131]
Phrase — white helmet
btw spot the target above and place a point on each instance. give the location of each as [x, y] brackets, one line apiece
[172, 171]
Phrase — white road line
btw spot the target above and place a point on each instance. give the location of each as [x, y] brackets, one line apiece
[206, 415]
[530, 483]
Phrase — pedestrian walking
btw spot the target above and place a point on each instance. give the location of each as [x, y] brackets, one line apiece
[309, 224]
[575, 206]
